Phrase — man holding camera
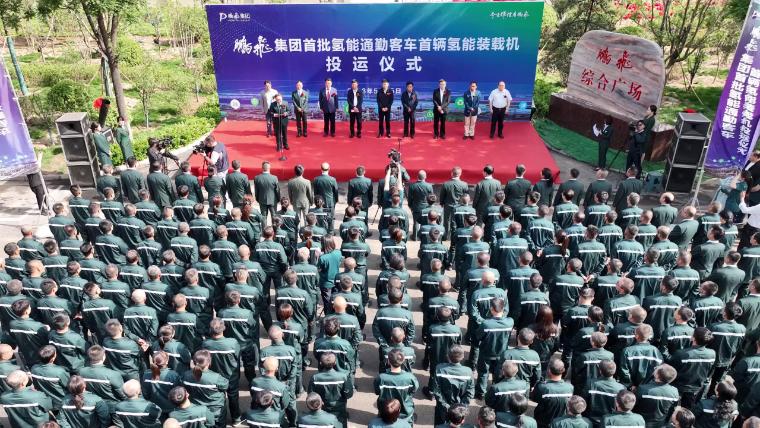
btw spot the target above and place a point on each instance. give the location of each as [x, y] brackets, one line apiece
[216, 154]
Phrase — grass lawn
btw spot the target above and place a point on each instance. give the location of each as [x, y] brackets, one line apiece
[581, 148]
[703, 99]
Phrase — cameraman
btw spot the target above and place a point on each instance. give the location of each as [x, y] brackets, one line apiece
[157, 152]
[216, 154]
[637, 147]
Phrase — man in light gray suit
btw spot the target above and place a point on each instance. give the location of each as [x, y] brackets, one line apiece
[267, 190]
[299, 190]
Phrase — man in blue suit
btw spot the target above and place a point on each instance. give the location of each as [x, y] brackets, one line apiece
[328, 103]
[354, 98]
[471, 109]
[409, 103]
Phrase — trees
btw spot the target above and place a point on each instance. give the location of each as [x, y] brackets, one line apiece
[573, 19]
[102, 19]
[682, 27]
[150, 78]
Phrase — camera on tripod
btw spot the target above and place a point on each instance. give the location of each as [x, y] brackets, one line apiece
[162, 146]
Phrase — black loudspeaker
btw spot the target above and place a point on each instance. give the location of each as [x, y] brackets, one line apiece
[78, 149]
[83, 173]
[103, 112]
[687, 152]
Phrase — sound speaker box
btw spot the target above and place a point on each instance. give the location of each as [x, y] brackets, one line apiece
[679, 178]
[82, 173]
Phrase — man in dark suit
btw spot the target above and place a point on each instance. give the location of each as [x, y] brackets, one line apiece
[328, 103]
[409, 103]
[441, 98]
[300, 100]
[279, 113]
[571, 184]
[354, 98]
[384, 103]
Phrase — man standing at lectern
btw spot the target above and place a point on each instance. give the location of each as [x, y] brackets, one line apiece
[328, 103]
[279, 113]
[354, 98]
[441, 98]
[300, 106]
[384, 103]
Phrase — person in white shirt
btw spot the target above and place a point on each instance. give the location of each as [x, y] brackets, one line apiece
[498, 103]
[266, 97]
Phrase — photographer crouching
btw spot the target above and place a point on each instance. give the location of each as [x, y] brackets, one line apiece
[215, 154]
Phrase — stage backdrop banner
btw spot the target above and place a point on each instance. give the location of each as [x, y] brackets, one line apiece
[418, 42]
[734, 132]
[16, 151]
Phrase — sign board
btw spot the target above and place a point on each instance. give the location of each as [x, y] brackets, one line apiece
[617, 73]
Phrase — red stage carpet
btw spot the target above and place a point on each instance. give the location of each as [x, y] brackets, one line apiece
[247, 142]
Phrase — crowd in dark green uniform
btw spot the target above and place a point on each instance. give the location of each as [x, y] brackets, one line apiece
[152, 297]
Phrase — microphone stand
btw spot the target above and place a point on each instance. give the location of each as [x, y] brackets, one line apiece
[281, 134]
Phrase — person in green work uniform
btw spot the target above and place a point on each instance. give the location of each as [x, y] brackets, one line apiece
[102, 146]
[333, 386]
[661, 308]
[694, 366]
[238, 185]
[121, 134]
[284, 402]
[683, 232]
[103, 381]
[135, 411]
[82, 408]
[123, 354]
[132, 181]
[189, 415]
[160, 186]
[552, 395]
[601, 392]
[140, 320]
[69, 345]
[288, 369]
[657, 399]
[316, 416]
[454, 384]
[186, 178]
[25, 407]
[206, 387]
[271, 256]
[262, 412]
[637, 361]
[27, 334]
[225, 358]
[397, 383]
[242, 325]
[50, 378]
[729, 337]
[573, 418]
[623, 414]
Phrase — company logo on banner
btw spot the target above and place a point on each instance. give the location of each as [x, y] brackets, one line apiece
[16, 151]
[419, 43]
[735, 132]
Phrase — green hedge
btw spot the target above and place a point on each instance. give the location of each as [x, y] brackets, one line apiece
[542, 93]
[209, 110]
[183, 133]
[49, 73]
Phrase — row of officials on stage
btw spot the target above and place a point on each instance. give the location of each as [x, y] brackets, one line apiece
[278, 111]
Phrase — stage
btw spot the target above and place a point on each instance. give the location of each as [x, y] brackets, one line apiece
[246, 141]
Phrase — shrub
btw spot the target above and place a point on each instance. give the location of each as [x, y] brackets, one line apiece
[68, 95]
[542, 93]
[209, 110]
[48, 74]
[182, 133]
[130, 52]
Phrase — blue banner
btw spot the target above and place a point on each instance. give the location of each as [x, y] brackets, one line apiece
[16, 151]
[734, 132]
[417, 42]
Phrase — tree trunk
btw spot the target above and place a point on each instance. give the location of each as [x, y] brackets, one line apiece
[118, 87]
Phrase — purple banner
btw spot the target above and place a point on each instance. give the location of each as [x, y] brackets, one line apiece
[734, 132]
[16, 151]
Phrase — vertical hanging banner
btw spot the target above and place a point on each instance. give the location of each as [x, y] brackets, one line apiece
[16, 151]
[734, 132]
[416, 42]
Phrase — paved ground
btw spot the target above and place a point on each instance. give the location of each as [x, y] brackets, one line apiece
[17, 208]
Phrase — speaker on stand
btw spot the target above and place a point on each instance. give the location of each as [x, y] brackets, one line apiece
[683, 167]
[78, 149]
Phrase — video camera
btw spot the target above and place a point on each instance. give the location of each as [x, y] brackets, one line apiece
[162, 146]
[395, 156]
